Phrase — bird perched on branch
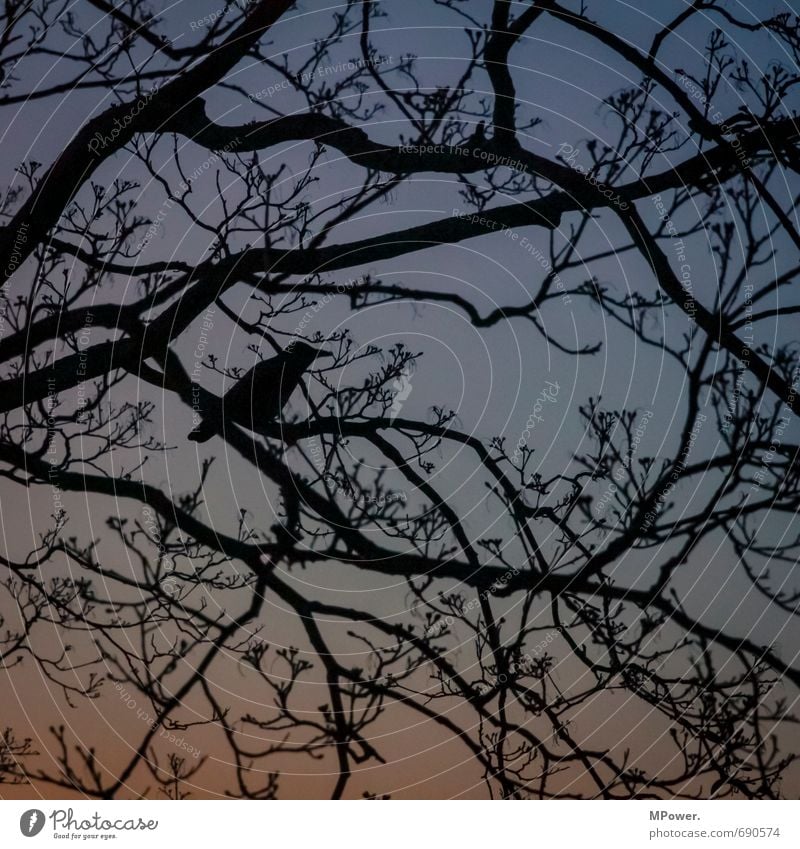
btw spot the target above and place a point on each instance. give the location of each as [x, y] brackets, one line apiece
[260, 395]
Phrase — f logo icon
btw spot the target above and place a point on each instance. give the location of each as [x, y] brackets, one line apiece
[31, 822]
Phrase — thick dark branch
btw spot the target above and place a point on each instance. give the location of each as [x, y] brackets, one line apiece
[113, 129]
[502, 38]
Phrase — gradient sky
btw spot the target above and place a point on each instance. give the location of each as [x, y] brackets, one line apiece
[489, 376]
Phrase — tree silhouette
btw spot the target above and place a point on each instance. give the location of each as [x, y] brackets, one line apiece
[595, 597]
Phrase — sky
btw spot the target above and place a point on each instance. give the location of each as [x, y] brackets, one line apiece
[490, 377]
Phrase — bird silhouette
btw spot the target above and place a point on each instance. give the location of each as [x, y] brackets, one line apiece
[260, 395]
